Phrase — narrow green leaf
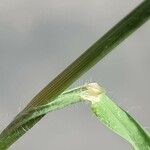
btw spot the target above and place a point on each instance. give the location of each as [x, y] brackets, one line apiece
[93, 54]
[24, 121]
[121, 122]
[87, 60]
[104, 108]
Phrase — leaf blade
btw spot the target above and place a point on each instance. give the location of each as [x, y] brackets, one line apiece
[120, 122]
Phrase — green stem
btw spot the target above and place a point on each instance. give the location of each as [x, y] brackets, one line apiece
[95, 53]
[25, 120]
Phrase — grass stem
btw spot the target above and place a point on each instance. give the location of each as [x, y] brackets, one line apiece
[82, 64]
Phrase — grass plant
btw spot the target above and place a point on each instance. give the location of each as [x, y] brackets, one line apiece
[52, 98]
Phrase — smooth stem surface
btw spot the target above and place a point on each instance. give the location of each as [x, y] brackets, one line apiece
[95, 53]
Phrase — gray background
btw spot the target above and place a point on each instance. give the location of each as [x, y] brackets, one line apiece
[40, 38]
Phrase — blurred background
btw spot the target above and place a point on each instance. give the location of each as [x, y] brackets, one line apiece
[40, 38]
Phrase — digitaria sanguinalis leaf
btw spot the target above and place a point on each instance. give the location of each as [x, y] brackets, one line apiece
[21, 123]
[115, 118]
[82, 64]
[102, 106]
[120, 122]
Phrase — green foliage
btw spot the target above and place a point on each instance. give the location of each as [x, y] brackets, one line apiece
[103, 107]
[121, 122]
[48, 100]
[25, 120]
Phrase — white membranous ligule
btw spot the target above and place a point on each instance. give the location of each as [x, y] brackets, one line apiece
[93, 92]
